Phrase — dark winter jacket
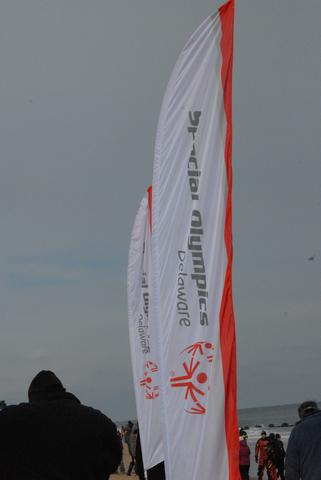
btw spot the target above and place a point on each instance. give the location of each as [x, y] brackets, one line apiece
[274, 452]
[303, 455]
[54, 437]
[157, 472]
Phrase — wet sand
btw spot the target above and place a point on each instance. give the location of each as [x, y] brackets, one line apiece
[126, 459]
[123, 476]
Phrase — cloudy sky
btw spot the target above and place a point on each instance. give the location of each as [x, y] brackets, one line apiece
[81, 86]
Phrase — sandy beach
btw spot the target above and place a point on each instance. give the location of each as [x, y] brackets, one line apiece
[123, 476]
[126, 459]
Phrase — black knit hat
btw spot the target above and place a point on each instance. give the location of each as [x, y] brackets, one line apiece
[44, 384]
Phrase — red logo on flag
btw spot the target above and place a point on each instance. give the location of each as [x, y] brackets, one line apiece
[151, 390]
[195, 381]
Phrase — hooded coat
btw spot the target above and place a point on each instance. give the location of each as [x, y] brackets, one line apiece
[303, 455]
[55, 437]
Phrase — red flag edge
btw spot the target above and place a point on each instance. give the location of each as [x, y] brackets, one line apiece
[227, 323]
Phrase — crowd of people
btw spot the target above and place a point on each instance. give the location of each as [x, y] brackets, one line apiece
[131, 437]
[301, 460]
[54, 436]
[269, 455]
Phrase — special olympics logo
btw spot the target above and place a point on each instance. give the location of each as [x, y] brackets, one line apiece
[151, 390]
[195, 380]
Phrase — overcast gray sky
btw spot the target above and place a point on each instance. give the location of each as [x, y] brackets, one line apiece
[81, 86]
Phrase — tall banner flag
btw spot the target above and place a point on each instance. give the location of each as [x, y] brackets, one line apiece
[192, 258]
[143, 354]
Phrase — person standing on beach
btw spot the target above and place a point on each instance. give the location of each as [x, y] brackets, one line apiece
[121, 467]
[303, 455]
[280, 457]
[272, 457]
[155, 473]
[127, 434]
[244, 456]
[261, 454]
[55, 436]
[132, 440]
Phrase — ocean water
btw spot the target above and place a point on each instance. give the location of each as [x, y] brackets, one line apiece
[262, 418]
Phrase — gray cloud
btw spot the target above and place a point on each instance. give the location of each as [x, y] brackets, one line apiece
[80, 92]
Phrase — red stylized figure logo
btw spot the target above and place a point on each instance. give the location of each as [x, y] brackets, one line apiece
[148, 382]
[195, 379]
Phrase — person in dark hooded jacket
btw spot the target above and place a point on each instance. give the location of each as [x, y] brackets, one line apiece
[303, 455]
[55, 437]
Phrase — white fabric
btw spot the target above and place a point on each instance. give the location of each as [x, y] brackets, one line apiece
[189, 203]
[144, 362]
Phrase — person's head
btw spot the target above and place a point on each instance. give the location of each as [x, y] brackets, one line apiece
[307, 408]
[271, 436]
[44, 385]
[263, 434]
[278, 436]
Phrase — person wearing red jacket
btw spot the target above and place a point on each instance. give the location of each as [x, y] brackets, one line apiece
[261, 456]
[244, 456]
